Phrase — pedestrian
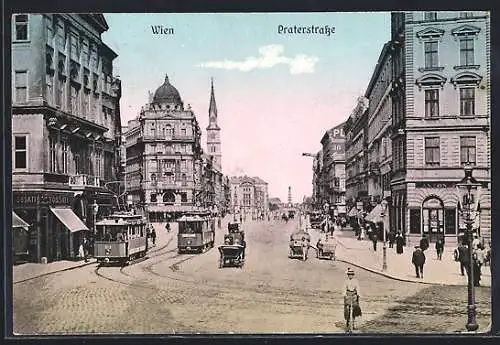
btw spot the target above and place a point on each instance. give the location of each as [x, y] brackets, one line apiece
[418, 260]
[487, 254]
[374, 240]
[399, 243]
[463, 258]
[424, 243]
[351, 293]
[81, 253]
[392, 238]
[440, 247]
[86, 250]
[478, 260]
[153, 236]
[475, 242]
[219, 223]
[305, 248]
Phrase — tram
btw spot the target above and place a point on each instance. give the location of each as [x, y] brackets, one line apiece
[196, 233]
[120, 237]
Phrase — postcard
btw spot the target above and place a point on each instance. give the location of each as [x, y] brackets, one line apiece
[251, 173]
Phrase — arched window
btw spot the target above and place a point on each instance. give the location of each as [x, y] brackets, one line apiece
[433, 217]
[153, 178]
[153, 197]
[169, 197]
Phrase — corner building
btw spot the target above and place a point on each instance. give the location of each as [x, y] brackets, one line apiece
[441, 119]
[66, 128]
[164, 156]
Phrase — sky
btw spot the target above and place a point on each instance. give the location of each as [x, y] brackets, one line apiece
[276, 93]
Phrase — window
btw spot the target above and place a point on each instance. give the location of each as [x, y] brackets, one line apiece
[432, 151]
[153, 178]
[75, 51]
[415, 223]
[336, 181]
[467, 150]
[52, 155]
[74, 99]
[153, 197]
[466, 14]
[431, 54]
[430, 16]
[21, 152]
[183, 132]
[467, 100]
[64, 145]
[61, 37]
[184, 197]
[21, 30]
[432, 103]
[98, 162]
[466, 51]
[21, 84]
[450, 222]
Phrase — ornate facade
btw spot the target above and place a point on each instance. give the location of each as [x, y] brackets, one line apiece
[441, 119]
[249, 196]
[164, 166]
[66, 128]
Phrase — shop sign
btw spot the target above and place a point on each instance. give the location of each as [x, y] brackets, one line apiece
[45, 198]
[437, 185]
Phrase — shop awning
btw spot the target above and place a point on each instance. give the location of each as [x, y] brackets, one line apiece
[374, 215]
[69, 219]
[18, 222]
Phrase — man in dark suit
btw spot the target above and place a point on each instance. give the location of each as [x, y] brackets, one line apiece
[463, 258]
[418, 260]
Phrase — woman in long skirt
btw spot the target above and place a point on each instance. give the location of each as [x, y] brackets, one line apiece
[399, 243]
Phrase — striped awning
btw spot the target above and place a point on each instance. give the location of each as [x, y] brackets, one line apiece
[353, 212]
[69, 219]
[375, 215]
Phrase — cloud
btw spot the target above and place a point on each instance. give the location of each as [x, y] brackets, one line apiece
[270, 56]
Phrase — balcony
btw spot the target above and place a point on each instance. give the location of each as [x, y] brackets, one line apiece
[84, 180]
[55, 178]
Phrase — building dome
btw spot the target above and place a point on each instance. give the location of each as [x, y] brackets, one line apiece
[167, 93]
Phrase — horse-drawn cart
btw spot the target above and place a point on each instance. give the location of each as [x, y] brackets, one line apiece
[299, 245]
[231, 255]
[326, 250]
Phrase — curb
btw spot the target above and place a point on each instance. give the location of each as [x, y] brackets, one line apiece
[55, 271]
[390, 276]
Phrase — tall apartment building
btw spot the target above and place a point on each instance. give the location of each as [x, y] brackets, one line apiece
[441, 118]
[164, 156]
[249, 196]
[356, 160]
[332, 175]
[378, 128]
[66, 129]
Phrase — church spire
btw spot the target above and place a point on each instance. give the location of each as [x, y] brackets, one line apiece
[212, 109]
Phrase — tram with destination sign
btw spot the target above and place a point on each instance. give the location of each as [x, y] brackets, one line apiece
[120, 237]
[196, 233]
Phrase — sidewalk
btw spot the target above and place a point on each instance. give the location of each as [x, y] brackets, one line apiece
[33, 270]
[399, 266]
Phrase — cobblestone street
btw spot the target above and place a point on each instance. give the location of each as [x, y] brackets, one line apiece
[169, 293]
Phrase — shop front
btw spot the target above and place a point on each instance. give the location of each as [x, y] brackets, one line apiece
[433, 212]
[53, 234]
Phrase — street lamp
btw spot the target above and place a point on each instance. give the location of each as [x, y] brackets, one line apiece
[384, 248]
[469, 190]
[95, 208]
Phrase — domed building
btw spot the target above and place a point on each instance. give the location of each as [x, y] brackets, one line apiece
[164, 153]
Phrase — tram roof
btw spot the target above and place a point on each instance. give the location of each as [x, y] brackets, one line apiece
[195, 218]
[113, 222]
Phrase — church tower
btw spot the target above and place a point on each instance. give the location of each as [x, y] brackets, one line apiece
[213, 132]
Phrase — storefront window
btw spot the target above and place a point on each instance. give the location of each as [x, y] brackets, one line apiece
[450, 221]
[415, 223]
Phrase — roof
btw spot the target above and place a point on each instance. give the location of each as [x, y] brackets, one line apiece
[248, 179]
[195, 218]
[167, 93]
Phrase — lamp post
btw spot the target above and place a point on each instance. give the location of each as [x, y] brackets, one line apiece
[466, 187]
[384, 248]
[95, 208]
